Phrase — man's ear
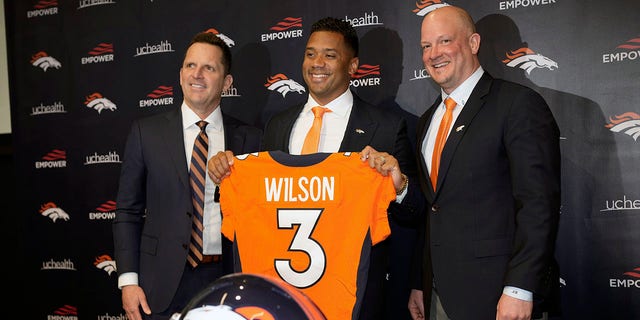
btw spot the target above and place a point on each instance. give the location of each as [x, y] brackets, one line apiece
[474, 43]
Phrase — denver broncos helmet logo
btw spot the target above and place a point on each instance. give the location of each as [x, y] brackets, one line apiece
[284, 85]
[425, 6]
[98, 102]
[230, 43]
[526, 59]
[224, 312]
[52, 211]
[104, 262]
[44, 61]
[628, 123]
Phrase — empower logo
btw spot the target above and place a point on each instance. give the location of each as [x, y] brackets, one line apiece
[53, 212]
[284, 29]
[105, 263]
[103, 52]
[43, 8]
[56, 158]
[425, 6]
[627, 123]
[367, 75]
[633, 280]
[281, 83]
[98, 102]
[632, 52]
[230, 43]
[161, 96]
[526, 59]
[105, 211]
[42, 60]
[66, 312]
[513, 4]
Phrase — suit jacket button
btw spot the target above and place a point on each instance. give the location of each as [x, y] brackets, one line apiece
[435, 208]
[185, 246]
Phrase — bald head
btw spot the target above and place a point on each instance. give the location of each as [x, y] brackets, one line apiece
[449, 46]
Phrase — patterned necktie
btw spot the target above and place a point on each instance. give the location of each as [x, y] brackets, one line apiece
[441, 138]
[313, 136]
[197, 181]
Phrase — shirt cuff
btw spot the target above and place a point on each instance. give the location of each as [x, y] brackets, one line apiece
[127, 279]
[401, 196]
[518, 293]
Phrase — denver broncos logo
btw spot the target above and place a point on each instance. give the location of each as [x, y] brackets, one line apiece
[104, 262]
[52, 211]
[98, 102]
[628, 123]
[230, 43]
[44, 61]
[425, 6]
[526, 59]
[284, 85]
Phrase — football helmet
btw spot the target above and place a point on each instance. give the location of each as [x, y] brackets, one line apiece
[243, 296]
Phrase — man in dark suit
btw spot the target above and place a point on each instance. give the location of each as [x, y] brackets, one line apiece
[330, 58]
[494, 206]
[153, 223]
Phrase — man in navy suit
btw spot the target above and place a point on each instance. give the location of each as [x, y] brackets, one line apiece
[330, 58]
[153, 222]
[493, 209]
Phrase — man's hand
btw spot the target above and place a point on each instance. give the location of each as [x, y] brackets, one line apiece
[510, 308]
[416, 305]
[219, 166]
[384, 163]
[133, 298]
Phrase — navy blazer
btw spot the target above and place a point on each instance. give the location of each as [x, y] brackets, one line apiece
[152, 226]
[493, 218]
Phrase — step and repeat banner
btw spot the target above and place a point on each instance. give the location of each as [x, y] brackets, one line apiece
[81, 71]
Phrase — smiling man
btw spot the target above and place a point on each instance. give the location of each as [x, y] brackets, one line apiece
[330, 59]
[152, 230]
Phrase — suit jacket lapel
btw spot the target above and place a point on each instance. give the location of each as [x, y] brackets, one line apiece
[360, 128]
[460, 127]
[174, 140]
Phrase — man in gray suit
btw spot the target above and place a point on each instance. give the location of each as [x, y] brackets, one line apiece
[330, 58]
[494, 202]
[153, 223]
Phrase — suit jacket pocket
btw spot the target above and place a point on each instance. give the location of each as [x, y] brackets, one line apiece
[492, 247]
[149, 245]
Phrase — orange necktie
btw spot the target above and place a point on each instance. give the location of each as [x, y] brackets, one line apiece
[441, 138]
[313, 136]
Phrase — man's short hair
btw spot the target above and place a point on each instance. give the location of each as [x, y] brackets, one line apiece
[340, 26]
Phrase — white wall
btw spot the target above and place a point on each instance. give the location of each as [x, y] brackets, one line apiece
[5, 110]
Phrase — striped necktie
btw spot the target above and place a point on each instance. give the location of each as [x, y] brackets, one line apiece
[197, 181]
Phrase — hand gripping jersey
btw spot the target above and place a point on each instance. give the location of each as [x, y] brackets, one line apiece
[308, 219]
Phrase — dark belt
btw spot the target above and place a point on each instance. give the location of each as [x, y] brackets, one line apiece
[211, 258]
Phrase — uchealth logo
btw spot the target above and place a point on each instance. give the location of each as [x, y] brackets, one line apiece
[55, 107]
[103, 52]
[425, 6]
[281, 83]
[230, 43]
[66, 312]
[53, 212]
[624, 204]
[42, 60]
[55, 158]
[627, 123]
[631, 51]
[367, 75]
[367, 19]
[631, 281]
[105, 211]
[231, 92]
[105, 263]
[419, 74]
[43, 8]
[98, 102]
[288, 27]
[161, 96]
[526, 59]
[90, 3]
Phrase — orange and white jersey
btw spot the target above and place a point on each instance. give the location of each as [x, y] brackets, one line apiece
[308, 219]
